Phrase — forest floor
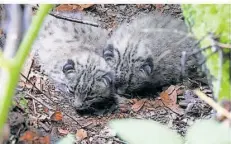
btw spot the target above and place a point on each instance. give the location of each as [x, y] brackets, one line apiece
[41, 114]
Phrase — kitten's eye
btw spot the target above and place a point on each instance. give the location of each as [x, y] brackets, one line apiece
[89, 98]
[108, 53]
[107, 78]
[71, 89]
[69, 66]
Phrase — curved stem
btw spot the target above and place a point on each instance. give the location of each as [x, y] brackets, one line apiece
[12, 74]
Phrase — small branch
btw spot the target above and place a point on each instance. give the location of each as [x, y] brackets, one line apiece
[39, 101]
[223, 45]
[213, 104]
[74, 20]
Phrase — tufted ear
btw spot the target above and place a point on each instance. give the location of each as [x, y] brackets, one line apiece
[108, 78]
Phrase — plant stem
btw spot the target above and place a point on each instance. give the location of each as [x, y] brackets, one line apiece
[13, 71]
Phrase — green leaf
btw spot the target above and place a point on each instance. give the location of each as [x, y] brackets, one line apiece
[69, 139]
[136, 131]
[208, 132]
[213, 18]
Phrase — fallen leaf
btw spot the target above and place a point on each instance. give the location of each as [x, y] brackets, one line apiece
[138, 105]
[84, 6]
[63, 131]
[165, 98]
[28, 136]
[73, 7]
[64, 7]
[170, 102]
[57, 116]
[173, 97]
[81, 134]
[170, 89]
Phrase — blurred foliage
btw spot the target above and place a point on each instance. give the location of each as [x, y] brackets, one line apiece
[214, 19]
[13, 66]
[136, 131]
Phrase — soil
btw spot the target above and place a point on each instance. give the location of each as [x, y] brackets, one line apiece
[43, 110]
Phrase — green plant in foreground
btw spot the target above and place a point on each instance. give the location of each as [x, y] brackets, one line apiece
[13, 66]
[215, 19]
[136, 131]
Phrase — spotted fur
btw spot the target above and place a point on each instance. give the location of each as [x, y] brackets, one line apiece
[70, 54]
[146, 52]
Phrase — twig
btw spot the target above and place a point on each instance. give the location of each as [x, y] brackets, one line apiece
[213, 104]
[74, 20]
[42, 103]
[34, 107]
[223, 45]
[51, 100]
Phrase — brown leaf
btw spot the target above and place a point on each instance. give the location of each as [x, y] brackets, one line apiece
[57, 116]
[170, 89]
[81, 134]
[28, 136]
[73, 7]
[138, 105]
[84, 6]
[63, 131]
[165, 98]
[170, 102]
[64, 7]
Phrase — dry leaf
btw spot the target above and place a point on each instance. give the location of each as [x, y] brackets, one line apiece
[57, 116]
[169, 102]
[28, 136]
[170, 89]
[63, 131]
[81, 134]
[73, 7]
[64, 7]
[138, 105]
[84, 6]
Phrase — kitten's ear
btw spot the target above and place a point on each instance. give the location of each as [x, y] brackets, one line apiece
[68, 66]
[108, 78]
[108, 52]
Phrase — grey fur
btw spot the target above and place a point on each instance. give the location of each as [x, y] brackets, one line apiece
[146, 52]
[89, 77]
